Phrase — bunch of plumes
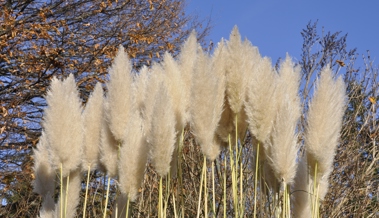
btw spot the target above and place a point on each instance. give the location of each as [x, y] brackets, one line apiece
[140, 117]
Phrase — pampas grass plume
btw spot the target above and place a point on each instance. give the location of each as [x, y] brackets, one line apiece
[241, 59]
[152, 89]
[325, 114]
[261, 102]
[207, 104]
[175, 83]
[120, 98]
[108, 149]
[92, 119]
[162, 133]
[187, 64]
[44, 184]
[283, 147]
[141, 82]
[133, 158]
[63, 125]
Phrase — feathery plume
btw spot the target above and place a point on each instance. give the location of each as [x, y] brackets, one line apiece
[133, 158]
[241, 59]
[187, 64]
[261, 102]
[120, 98]
[283, 147]
[207, 103]
[219, 59]
[175, 83]
[108, 149]
[44, 183]
[92, 119]
[324, 123]
[63, 125]
[161, 137]
[141, 81]
[152, 89]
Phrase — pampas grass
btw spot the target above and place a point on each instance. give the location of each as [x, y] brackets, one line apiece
[133, 158]
[324, 124]
[119, 96]
[261, 100]
[161, 137]
[108, 149]
[63, 125]
[44, 184]
[241, 59]
[207, 104]
[187, 64]
[92, 120]
[143, 119]
[175, 83]
[283, 147]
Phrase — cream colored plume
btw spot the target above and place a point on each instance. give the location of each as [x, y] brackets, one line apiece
[119, 97]
[219, 59]
[133, 158]
[63, 125]
[187, 64]
[44, 183]
[161, 136]
[152, 89]
[242, 57]
[176, 89]
[109, 147]
[261, 100]
[283, 148]
[206, 105]
[92, 119]
[324, 123]
[140, 85]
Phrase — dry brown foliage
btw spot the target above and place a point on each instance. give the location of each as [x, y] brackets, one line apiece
[41, 39]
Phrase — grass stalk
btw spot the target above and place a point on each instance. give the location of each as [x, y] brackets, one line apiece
[86, 195]
[167, 196]
[106, 198]
[213, 190]
[66, 196]
[224, 199]
[234, 178]
[201, 187]
[160, 201]
[173, 202]
[180, 173]
[127, 207]
[61, 188]
[256, 182]
[205, 188]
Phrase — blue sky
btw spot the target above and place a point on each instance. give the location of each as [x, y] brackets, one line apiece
[275, 25]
